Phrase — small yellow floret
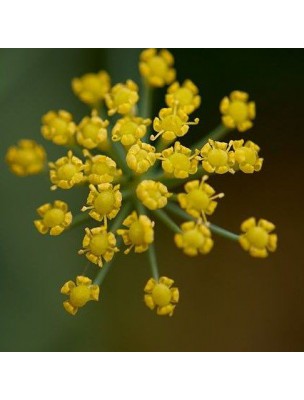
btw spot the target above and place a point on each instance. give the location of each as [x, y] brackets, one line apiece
[157, 68]
[257, 238]
[178, 161]
[103, 202]
[128, 130]
[140, 232]
[98, 244]
[122, 98]
[100, 169]
[152, 194]
[217, 157]
[172, 123]
[185, 96]
[140, 157]
[54, 218]
[66, 171]
[79, 293]
[247, 156]
[237, 111]
[58, 126]
[92, 132]
[199, 198]
[162, 295]
[195, 238]
[91, 88]
[27, 158]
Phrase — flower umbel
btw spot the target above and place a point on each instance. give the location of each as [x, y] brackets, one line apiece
[258, 239]
[79, 293]
[157, 68]
[129, 183]
[27, 158]
[98, 244]
[162, 295]
[92, 88]
[54, 218]
[237, 111]
[66, 172]
[185, 96]
[140, 232]
[104, 201]
[58, 126]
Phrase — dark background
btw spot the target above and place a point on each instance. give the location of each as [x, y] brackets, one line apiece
[229, 301]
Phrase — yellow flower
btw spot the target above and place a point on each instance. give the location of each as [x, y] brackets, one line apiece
[199, 198]
[92, 132]
[79, 294]
[140, 232]
[237, 111]
[162, 295]
[92, 88]
[122, 98]
[157, 69]
[172, 123]
[257, 238]
[194, 238]
[152, 194]
[98, 244]
[140, 157]
[66, 171]
[104, 201]
[128, 130]
[100, 168]
[185, 96]
[178, 161]
[217, 157]
[55, 218]
[246, 156]
[58, 127]
[27, 158]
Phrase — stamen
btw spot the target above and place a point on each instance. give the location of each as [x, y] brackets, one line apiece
[154, 137]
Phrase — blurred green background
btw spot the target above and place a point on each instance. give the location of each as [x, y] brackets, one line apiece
[229, 301]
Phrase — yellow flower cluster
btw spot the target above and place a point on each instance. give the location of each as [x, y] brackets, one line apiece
[131, 182]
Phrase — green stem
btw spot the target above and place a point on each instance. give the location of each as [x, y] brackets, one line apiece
[173, 182]
[214, 228]
[153, 261]
[146, 104]
[118, 154]
[218, 133]
[160, 214]
[79, 219]
[116, 224]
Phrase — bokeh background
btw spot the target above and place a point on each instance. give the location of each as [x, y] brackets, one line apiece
[229, 301]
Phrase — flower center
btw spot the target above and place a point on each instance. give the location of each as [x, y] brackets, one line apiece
[100, 168]
[194, 238]
[136, 233]
[104, 202]
[66, 171]
[158, 66]
[198, 199]
[184, 96]
[60, 126]
[238, 110]
[90, 131]
[99, 244]
[172, 123]
[245, 155]
[128, 128]
[53, 217]
[122, 96]
[93, 84]
[161, 295]
[26, 157]
[180, 161]
[258, 237]
[217, 157]
[80, 295]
